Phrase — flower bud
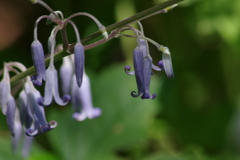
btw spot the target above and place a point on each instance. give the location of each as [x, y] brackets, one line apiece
[38, 62]
[79, 59]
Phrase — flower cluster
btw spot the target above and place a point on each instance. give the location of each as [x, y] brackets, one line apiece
[143, 65]
[27, 113]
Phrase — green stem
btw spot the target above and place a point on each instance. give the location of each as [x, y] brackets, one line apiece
[140, 16]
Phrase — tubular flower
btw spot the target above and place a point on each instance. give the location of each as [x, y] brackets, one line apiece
[142, 70]
[82, 101]
[40, 125]
[79, 62]
[51, 89]
[38, 62]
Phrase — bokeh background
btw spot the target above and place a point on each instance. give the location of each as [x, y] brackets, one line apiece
[195, 115]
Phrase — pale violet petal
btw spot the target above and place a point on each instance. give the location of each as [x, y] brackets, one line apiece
[48, 95]
[10, 114]
[27, 146]
[66, 74]
[57, 98]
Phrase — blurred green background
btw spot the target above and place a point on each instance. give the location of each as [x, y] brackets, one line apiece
[195, 115]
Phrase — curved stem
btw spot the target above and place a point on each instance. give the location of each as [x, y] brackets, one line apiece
[36, 24]
[88, 15]
[145, 38]
[140, 16]
[141, 27]
[48, 8]
[75, 29]
[52, 41]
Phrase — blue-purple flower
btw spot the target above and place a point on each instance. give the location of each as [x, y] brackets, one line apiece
[82, 101]
[51, 89]
[38, 62]
[40, 125]
[142, 70]
[79, 59]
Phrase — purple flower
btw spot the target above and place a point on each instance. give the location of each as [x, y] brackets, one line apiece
[142, 70]
[40, 125]
[79, 59]
[82, 101]
[38, 62]
[51, 89]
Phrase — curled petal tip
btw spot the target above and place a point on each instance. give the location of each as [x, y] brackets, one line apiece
[66, 98]
[96, 113]
[35, 81]
[154, 96]
[79, 117]
[30, 132]
[160, 64]
[53, 124]
[127, 69]
[40, 101]
[134, 94]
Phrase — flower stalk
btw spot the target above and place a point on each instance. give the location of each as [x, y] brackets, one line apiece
[140, 16]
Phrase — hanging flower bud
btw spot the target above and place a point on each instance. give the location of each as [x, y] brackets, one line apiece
[79, 59]
[127, 70]
[167, 61]
[38, 62]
